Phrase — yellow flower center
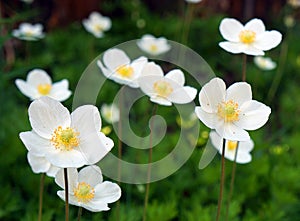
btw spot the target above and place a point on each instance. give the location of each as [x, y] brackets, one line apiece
[153, 48]
[98, 28]
[44, 89]
[29, 33]
[229, 111]
[162, 88]
[84, 192]
[65, 139]
[232, 145]
[247, 36]
[125, 71]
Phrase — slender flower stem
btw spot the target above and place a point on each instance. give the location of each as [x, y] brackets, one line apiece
[244, 67]
[232, 182]
[79, 213]
[187, 23]
[222, 180]
[41, 196]
[149, 166]
[66, 194]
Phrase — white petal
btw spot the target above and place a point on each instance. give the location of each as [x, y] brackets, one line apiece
[46, 114]
[152, 69]
[160, 100]
[268, 40]
[209, 119]
[38, 76]
[38, 164]
[183, 95]
[106, 72]
[146, 84]
[72, 178]
[114, 58]
[52, 171]
[34, 143]
[216, 140]
[107, 192]
[86, 120]
[91, 175]
[230, 131]
[95, 206]
[253, 115]
[176, 76]
[230, 29]
[243, 158]
[252, 50]
[239, 92]
[232, 47]
[60, 90]
[212, 94]
[138, 65]
[64, 159]
[246, 146]
[255, 25]
[27, 89]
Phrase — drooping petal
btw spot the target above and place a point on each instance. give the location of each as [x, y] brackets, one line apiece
[38, 76]
[160, 100]
[114, 58]
[246, 146]
[72, 178]
[38, 164]
[252, 50]
[216, 140]
[243, 158]
[239, 92]
[253, 115]
[106, 72]
[268, 40]
[52, 171]
[67, 159]
[27, 89]
[183, 95]
[255, 25]
[230, 131]
[91, 175]
[230, 29]
[60, 91]
[209, 119]
[46, 114]
[138, 65]
[212, 94]
[232, 47]
[107, 192]
[176, 76]
[95, 206]
[34, 143]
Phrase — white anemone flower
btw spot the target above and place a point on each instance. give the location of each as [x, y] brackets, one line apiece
[153, 46]
[66, 140]
[97, 24]
[243, 152]
[39, 164]
[231, 112]
[118, 67]
[251, 39]
[38, 83]
[87, 189]
[264, 63]
[167, 89]
[110, 113]
[29, 32]
[193, 1]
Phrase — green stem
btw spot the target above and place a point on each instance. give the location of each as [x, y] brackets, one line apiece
[66, 194]
[244, 68]
[232, 182]
[222, 180]
[149, 166]
[187, 23]
[79, 213]
[41, 196]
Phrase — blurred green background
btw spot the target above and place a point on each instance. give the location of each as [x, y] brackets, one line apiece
[268, 188]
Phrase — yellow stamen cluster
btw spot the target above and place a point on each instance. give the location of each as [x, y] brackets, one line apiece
[65, 139]
[229, 111]
[44, 89]
[125, 71]
[153, 48]
[162, 88]
[231, 145]
[84, 192]
[247, 36]
[98, 28]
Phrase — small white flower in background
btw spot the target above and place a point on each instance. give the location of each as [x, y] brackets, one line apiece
[294, 3]
[38, 84]
[66, 140]
[193, 1]
[118, 67]
[243, 151]
[29, 32]
[97, 24]
[153, 46]
[110, 113]
[27, 1]
[167, 89]
[39, 164]
[231, 112]
[251, 39]
[87, 189]
[289, 21]
[264, 63]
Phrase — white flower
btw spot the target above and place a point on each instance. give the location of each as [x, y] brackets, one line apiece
[167, 89]
[264, 63]
[87, 189]
[65, 140]
[153, 46]
[29, 32]
[110, 113]
[294, 3]
[39, 164]
[243, 151]
[251, 39]
[38, 84]
[97, 24]
[193, 1]
[289, 21]
[120, 69]
[231, 112]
